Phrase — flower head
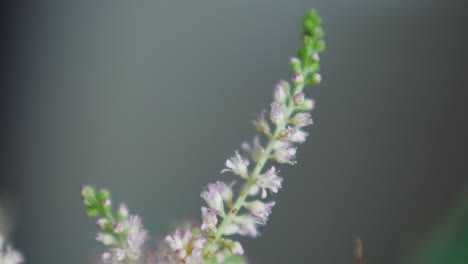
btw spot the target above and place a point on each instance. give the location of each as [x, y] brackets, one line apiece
[213, 197]
[269, 180]
[247, 225]
[181, 247]
[260, 209]
[238, 165]
[284, 152]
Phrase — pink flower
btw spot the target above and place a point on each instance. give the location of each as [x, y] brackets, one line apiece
[181, 247]
[284, 152]
[260, 209]
[213, 197]
[269, 180]
[238, 165]
[302, 119]
[210, 218]
[277, 112]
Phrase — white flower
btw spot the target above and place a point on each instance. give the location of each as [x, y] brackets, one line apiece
[226, 191]
[181, 247]
[277, 112]
[284, 152]
[302, 119]
[136, 237]
[279, 94]
[237, 248]
[213, 197]
[247, 225]
[297, 78]
[123, 211]
[293, 134]
[269, 180]
[210, 218]
[8, 255]
[261, 124]
[114, 255]
[260, 209]
[298, 98]
[238, 165]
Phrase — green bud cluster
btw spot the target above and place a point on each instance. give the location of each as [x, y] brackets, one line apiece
[99, 204]
[312, 45]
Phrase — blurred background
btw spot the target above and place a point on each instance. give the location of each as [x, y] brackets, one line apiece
[148, 98]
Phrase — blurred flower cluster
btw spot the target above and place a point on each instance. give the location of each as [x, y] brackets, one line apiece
[8, 255]
[122, 233]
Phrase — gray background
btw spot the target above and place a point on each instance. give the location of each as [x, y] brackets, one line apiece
[149, 98]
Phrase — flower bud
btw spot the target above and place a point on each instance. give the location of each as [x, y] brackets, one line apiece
[87, 201]
[106, 203]
[118, 227]
[307, 105]
[285, 85]
[279, 94]
[261, 124]
[103, 194]
[317, 78]
[297, 78]
[277, 112]
[102, 223]
[236, 248]
[106, 239]
[295, 64]
[315, 57]
[226, 191]
[298, 98]
[122, 213]
[87, 191]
